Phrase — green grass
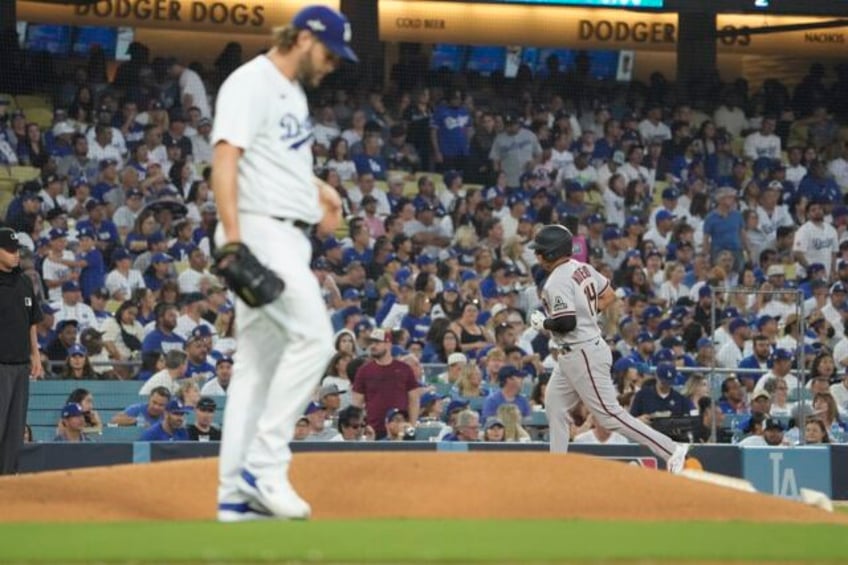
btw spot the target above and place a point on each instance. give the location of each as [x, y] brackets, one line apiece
[407, 541]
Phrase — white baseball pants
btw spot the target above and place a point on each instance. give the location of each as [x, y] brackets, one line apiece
[584, 374]
[283, 348]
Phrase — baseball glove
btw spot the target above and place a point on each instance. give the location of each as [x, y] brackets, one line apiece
[252, 281]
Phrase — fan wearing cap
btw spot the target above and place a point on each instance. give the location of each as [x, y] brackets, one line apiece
[661, 233]
[780, 371]
[59, 265]
[70, 429]
[661, 400]
[71, 307]
[730, 354]
[203, 428]
[267, 197]
[51, 194]
[123, 280]
[384, 383]
[511, 381]
[105, 232]
[316, 415]
[172, 426]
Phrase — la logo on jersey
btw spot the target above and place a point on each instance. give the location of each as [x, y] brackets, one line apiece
[295, 132]
[559, 304]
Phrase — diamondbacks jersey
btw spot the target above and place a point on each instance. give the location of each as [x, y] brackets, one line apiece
[574, 288]
[264, 113]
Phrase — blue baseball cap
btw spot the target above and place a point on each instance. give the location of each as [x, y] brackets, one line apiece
[429, 397]
[763, 320]
[77, 349]
[392, 412]
[224, 359]
[508, 371]
[704, 342]
[736, 324]
[201, 330]
[161, 258]
[623, 364]
[85, 232]
[633, 253]
[57, 233]
[351, 294]
[611, 233]
[329, 26]
[72, 409]
[670, 193]
[313, 407]
[155, 237]
[47, 309]
[70, 286]
[424, 259]
[595, 219]
[176, 406]
[782, 354]
[450, 286]
[632, 221]
[457, 403]
[651, 312]
[120, 254]
[331, 243]
[666, 372]
[730, 312]
[644, 337]
[664, 215]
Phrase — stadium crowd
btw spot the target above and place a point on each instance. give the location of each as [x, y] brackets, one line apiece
[444, 181]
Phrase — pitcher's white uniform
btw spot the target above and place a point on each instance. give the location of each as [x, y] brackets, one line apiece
[582, 371]
[284, 346]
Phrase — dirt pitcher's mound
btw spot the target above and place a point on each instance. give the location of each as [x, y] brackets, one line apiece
[401, 485]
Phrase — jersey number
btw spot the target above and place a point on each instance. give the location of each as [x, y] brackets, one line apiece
[591, 298]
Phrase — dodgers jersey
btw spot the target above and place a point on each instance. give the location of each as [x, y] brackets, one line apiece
[574, 288]
[264, 113]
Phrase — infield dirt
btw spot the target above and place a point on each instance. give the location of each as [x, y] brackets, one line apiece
[399, 485]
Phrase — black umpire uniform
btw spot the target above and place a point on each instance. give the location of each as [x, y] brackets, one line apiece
[19, 311]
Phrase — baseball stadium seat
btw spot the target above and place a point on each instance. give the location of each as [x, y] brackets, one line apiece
[536, 419]
[426, 433]
[94, 387]
[43, 417]
[28, 101]
[43, 433]
[23, 174]
[119, 434]
[41, 116]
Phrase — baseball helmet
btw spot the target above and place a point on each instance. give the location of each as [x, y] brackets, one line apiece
[552, 242]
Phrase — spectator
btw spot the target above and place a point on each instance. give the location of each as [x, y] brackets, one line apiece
[376, 392]
[317, 417]
[71, 426]
[203, 429]
[815, 241]
[223, 373]
[66, 337]
[170, 427]
[661, 400]
[78, 366]
[192, 89]
[122, 281]
[599, 435]
[510, 380]
[163, 338]
[176, 362]
[145, 414]
[352, 426]
[732, 399]
[467, 427]
[763, 143]
[494, 430]
[70, 307]
[398, 426]
[197, 270]
[511, 417]
[93, 423]
[815, 432]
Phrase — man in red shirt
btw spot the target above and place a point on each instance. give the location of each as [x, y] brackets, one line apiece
[384, 383]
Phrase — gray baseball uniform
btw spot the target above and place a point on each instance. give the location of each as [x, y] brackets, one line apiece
[582, 371]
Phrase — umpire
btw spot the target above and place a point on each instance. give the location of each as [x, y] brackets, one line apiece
[19, 357]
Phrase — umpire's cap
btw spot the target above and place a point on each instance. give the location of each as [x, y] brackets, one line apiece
[552, 242]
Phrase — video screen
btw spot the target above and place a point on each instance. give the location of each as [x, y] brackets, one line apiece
[54, 39]
[85, 37]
